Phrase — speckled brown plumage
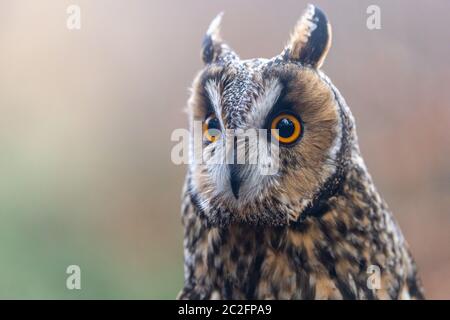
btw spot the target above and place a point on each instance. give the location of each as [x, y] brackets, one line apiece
[323, 257]
[314, 229]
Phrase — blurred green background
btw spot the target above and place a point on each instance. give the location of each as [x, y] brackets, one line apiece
[86, 118]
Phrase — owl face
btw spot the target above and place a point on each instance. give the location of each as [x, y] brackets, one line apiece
[290, 106]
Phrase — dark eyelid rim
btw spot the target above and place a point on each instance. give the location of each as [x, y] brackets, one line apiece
[286, 111]
[208, 107]
[281, 106]
[209, 114]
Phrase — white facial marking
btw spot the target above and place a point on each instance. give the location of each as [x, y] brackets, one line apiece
[337, 143]
[213, 90]
[264, 104]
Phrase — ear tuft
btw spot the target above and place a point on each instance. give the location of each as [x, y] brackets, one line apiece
[213, 48]
[311, 39]
[212, 41]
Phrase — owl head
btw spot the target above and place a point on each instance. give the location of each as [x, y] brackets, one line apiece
[303, 127]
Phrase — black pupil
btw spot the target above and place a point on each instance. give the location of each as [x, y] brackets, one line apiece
[213, 124]
[286, 128]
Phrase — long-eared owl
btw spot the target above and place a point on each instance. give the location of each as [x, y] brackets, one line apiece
[313, 225]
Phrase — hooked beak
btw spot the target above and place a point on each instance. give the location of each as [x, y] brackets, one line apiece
[235, 179]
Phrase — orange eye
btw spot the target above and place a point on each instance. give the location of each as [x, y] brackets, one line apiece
[289, 128]
[211, 128]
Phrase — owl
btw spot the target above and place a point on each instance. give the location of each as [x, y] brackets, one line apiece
[315, 226]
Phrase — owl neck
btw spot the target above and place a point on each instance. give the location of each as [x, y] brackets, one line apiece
[345, 236]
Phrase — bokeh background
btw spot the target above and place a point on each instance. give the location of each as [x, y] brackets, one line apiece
[86, 117]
